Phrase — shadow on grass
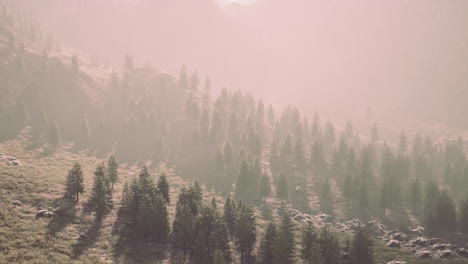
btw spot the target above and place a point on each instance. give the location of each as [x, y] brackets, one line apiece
[130, 248]
[46, 152]
[66, 214]
[33, 145]
[86, 240]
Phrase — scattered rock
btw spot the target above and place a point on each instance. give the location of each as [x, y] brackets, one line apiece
[462, 252]
[15, 163]
[83, 236]
[354, 224]
[299, 218]
[376, 228]
[394, 244]
[423, 253]
[294, 212]
[418, 230]
[445, 253]
[399, 237]
[433, 241]
[16, 203]
[420, 241]
[325, 217]
[44, 213]
[396, 262]
[441, 246]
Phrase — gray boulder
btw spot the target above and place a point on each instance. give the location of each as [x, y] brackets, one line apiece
[325, 217]
[299, 218]
[44, 213]
[441, 246]
[396, 262]
[420, 241]
[423, 253]
[447, 253]
[418, 230]
[376, 228]
[433, 241]
[399, 237]
[394, 244]
[16, 203]
[462, 252]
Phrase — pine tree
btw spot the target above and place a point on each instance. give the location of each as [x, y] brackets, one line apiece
[299, 151]
[285, 244]
[210, 236]
[403, 143]
[163, 187]
[53, 137]
[310, 252]
[374, 133]
[330, 247]
[463, 216]
[326, 197]
[317, 159]
[415, 193]
[128, 63]
[445, 214]
[362, 251]
[187, 208]
[282, 188]
[74, 184]
[246, 229]
[74, 64]
[101, 196]
[265, 188]
[267, 250]
[431, 194]
[112, 170]
[244, 182]
[230, 214]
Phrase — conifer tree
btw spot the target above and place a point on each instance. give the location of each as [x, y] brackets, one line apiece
[74, 184]
[246, 229]
[330, 247]
[326, 197]
[230, 214]
[210, 236]
[285, 244]
[445, 214]
[310, 252]
[187, 209]
[463, 216]
[415, 193]
[267, 250]
[112, 170]
[362, 251]
[101, 196]
[244, 182]
[53, 137]
[265, 188]
[282, 188]
[163, 187]
[75, 66]
[317, 159]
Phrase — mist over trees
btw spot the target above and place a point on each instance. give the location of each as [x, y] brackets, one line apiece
[267, 165]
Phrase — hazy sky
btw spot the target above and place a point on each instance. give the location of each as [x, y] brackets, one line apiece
[335, 56]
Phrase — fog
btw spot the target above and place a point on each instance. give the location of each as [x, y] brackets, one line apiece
[397, 57]
[243, 132]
